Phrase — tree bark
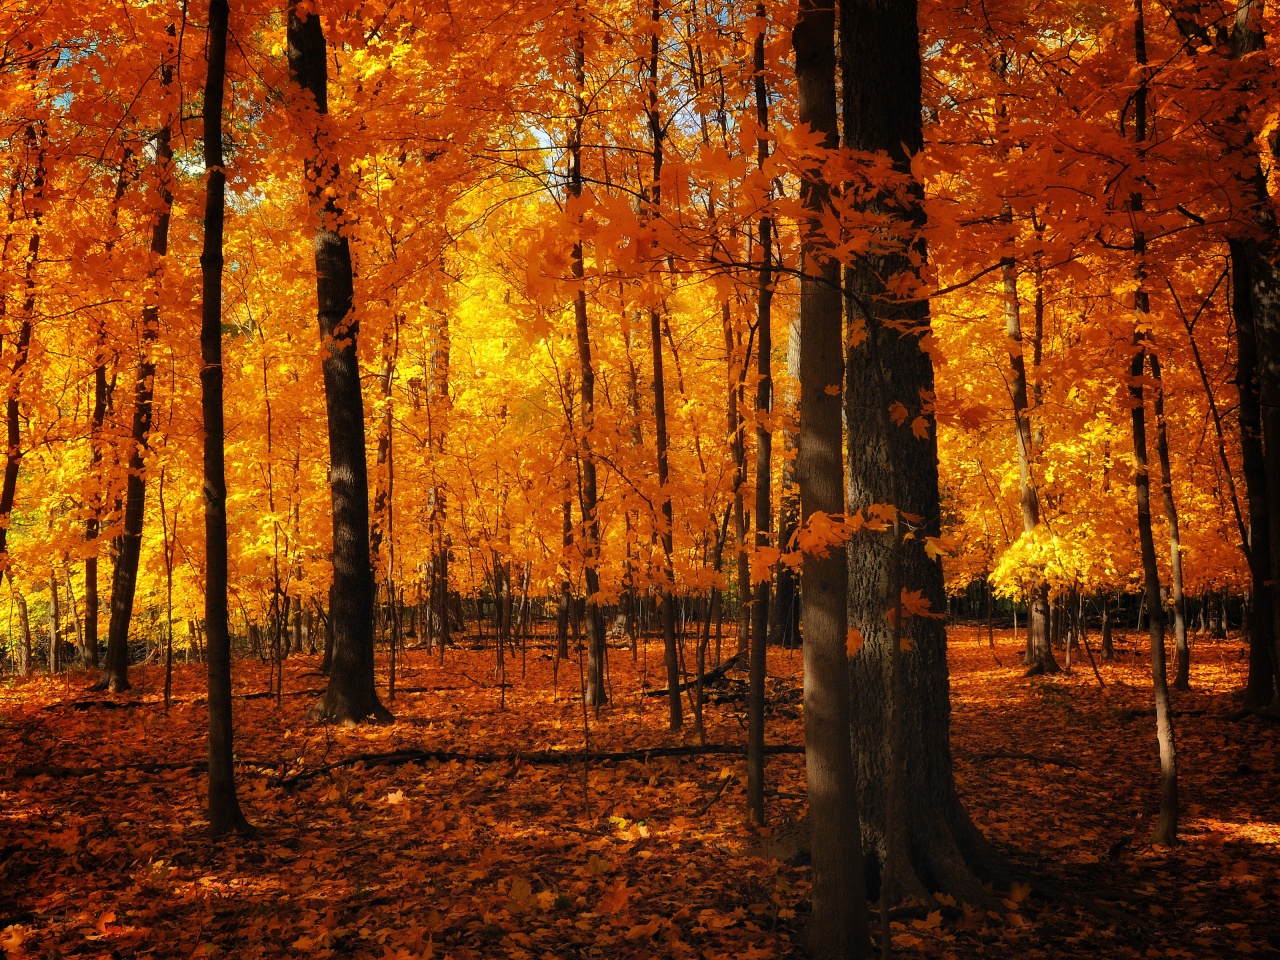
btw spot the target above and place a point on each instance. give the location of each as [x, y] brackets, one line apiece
[838, 927]
[594, 692]
[224, 808]
[1039, 653]
[1182, 670]
[941, 849]
[764, 454]
[1166, 830]
[351, 696]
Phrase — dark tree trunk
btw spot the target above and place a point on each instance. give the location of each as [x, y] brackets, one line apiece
[764, 453]
[1260, 684]
[838, 927]
[1166, 829]
[784, 628]
[124, 576]
[224, 808]
[940, 848]
[566, 593]
[351, 697]
[594, 693]
[17, 373]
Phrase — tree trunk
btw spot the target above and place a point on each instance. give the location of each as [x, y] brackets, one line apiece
[666, 593]
[566, 593]
[838, 927]
[1260, 685]
[55, 625]
[351, 697]
[124, 576]
[17, 373]
[224, 808]
[24, 627]
[1166, 830]
[594, 692]
[1182, 671]
[1039, 653]
[764, 453]
[942, 849]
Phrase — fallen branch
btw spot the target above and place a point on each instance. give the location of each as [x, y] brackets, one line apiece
[544, 757]
[707, 679]
[1029, 757]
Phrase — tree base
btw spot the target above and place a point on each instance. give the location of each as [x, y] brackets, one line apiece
[336, 709]
[111, 683]
[1042, 668]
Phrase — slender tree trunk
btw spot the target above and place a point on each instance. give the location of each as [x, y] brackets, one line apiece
[838, 927]
[351, 696]
[124, 577]
[24, 628]
[594, 691]
[1182, 671]
[1166, 830]
[1039, 652]
[566, 593]
[666, 592]
[18, 371]
[224, 808]
[55, 625]
[764, 454]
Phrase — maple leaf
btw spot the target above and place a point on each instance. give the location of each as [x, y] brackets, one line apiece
[615, 899]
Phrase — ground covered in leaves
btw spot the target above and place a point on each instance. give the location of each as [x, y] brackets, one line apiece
[104, 852]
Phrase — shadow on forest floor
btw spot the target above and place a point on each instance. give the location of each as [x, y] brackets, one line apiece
[103, 850]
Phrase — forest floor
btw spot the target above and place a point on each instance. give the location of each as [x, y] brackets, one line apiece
[104, 850]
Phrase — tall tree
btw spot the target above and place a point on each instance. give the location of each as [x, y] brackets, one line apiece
[838, 927]
[124, 578]
[764, 447]
[350, 697]
[880, 46]
[224, 809]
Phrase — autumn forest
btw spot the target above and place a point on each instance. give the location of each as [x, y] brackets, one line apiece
[663, 478]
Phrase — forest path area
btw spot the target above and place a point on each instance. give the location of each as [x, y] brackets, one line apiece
[104, 850]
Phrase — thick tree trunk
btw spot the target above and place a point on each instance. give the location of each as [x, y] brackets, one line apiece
[1261, 682]
[224, 808]
[838, 927]
[941, 850]
[351, 697]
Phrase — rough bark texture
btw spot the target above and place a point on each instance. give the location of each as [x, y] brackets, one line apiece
[838, 927]
[224, 808]
[351, 697]
[942, 849]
